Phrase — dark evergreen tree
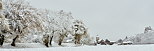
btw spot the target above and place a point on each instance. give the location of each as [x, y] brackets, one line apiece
[120, 41]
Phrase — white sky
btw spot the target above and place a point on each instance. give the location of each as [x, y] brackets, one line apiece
[110, 19]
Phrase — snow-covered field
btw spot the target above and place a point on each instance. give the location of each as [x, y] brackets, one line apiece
[39, 47]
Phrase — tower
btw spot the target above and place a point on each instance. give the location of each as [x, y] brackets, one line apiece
[97, 39]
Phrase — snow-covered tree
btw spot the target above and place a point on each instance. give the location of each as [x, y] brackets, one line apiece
[147, 29]
[146, 37]
[20, 19]
[81, 32]
[27, 24]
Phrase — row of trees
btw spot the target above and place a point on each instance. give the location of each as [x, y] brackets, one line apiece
[146, 37]
[27, 24]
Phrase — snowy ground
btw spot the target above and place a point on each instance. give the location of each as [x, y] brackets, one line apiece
[70, 47]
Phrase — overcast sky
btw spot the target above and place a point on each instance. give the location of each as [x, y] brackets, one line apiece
[110, 19]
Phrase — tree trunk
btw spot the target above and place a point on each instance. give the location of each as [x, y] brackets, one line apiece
[13, 42]
[1, 39]
[77, 38]
[51, 40]
[60, 42]
[61, 39]
[46, 41]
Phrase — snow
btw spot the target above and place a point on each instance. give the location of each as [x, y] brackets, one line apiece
[34, 23]
[39, 47]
